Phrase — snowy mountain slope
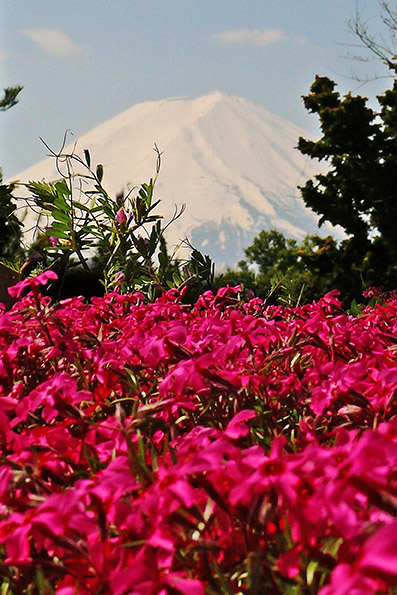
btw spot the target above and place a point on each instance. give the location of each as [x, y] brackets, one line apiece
[231, 162]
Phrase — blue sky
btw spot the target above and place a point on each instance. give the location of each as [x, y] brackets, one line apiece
[83, 61]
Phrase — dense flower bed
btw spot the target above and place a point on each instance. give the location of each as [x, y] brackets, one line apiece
[227, 447]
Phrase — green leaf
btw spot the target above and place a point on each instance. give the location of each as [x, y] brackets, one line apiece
[355, 308]
[96, 209]
[43, 194]
[5, 587]
[62, 188]
[108, 211]
[153, 218]
[155, 465]
[60, 226]
[154, 205]
[87, 157]
[61, 204]
[82, 207]
[146, 193]
[163, 260]
[101, 192]
[88, 229]
[56, 233]
[42, 584]
[61, 216]
[176, 278]
[99, 172]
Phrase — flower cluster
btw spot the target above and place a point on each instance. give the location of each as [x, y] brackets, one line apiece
[224, 447]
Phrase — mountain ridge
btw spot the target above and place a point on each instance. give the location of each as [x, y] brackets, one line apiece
[232, 162]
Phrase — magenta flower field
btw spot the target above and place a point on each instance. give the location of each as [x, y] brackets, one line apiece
[225, 447]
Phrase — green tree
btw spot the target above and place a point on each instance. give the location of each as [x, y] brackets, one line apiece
[279, 269]
[359, 191]
[10, 226]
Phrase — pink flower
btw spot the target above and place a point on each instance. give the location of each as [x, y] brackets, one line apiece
[186, 586]
[379, 556]
[373, 291]
[32, 282]
[288, 564]
[14, 532]
[54, 241]
[119, 278]
[237, 428]
[124, 458]
[122, 217]
[346, 581]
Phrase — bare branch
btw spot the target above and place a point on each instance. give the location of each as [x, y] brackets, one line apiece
[383, 47]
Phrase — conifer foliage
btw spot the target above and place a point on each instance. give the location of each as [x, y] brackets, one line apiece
[359, 191]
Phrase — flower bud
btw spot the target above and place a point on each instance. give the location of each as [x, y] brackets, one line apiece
[119, 278]
[121, 217]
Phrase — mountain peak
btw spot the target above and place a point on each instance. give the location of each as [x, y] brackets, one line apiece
[231, 162]
[214, 96]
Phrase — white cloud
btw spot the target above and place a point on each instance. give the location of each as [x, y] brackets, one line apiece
[53, 41]
[251, 36]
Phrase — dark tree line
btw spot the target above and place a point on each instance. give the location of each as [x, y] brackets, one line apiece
[10, 226]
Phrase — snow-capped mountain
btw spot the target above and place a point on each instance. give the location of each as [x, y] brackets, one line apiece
[231, 162]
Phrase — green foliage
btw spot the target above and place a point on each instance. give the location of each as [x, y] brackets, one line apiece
[121, 239]
[10, 226]
[280, 269]
[272, 252]
[10, 97]
[359, 192]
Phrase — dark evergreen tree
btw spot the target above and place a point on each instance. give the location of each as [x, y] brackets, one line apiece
[10, 226]
[359, 192]
[280, 269]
